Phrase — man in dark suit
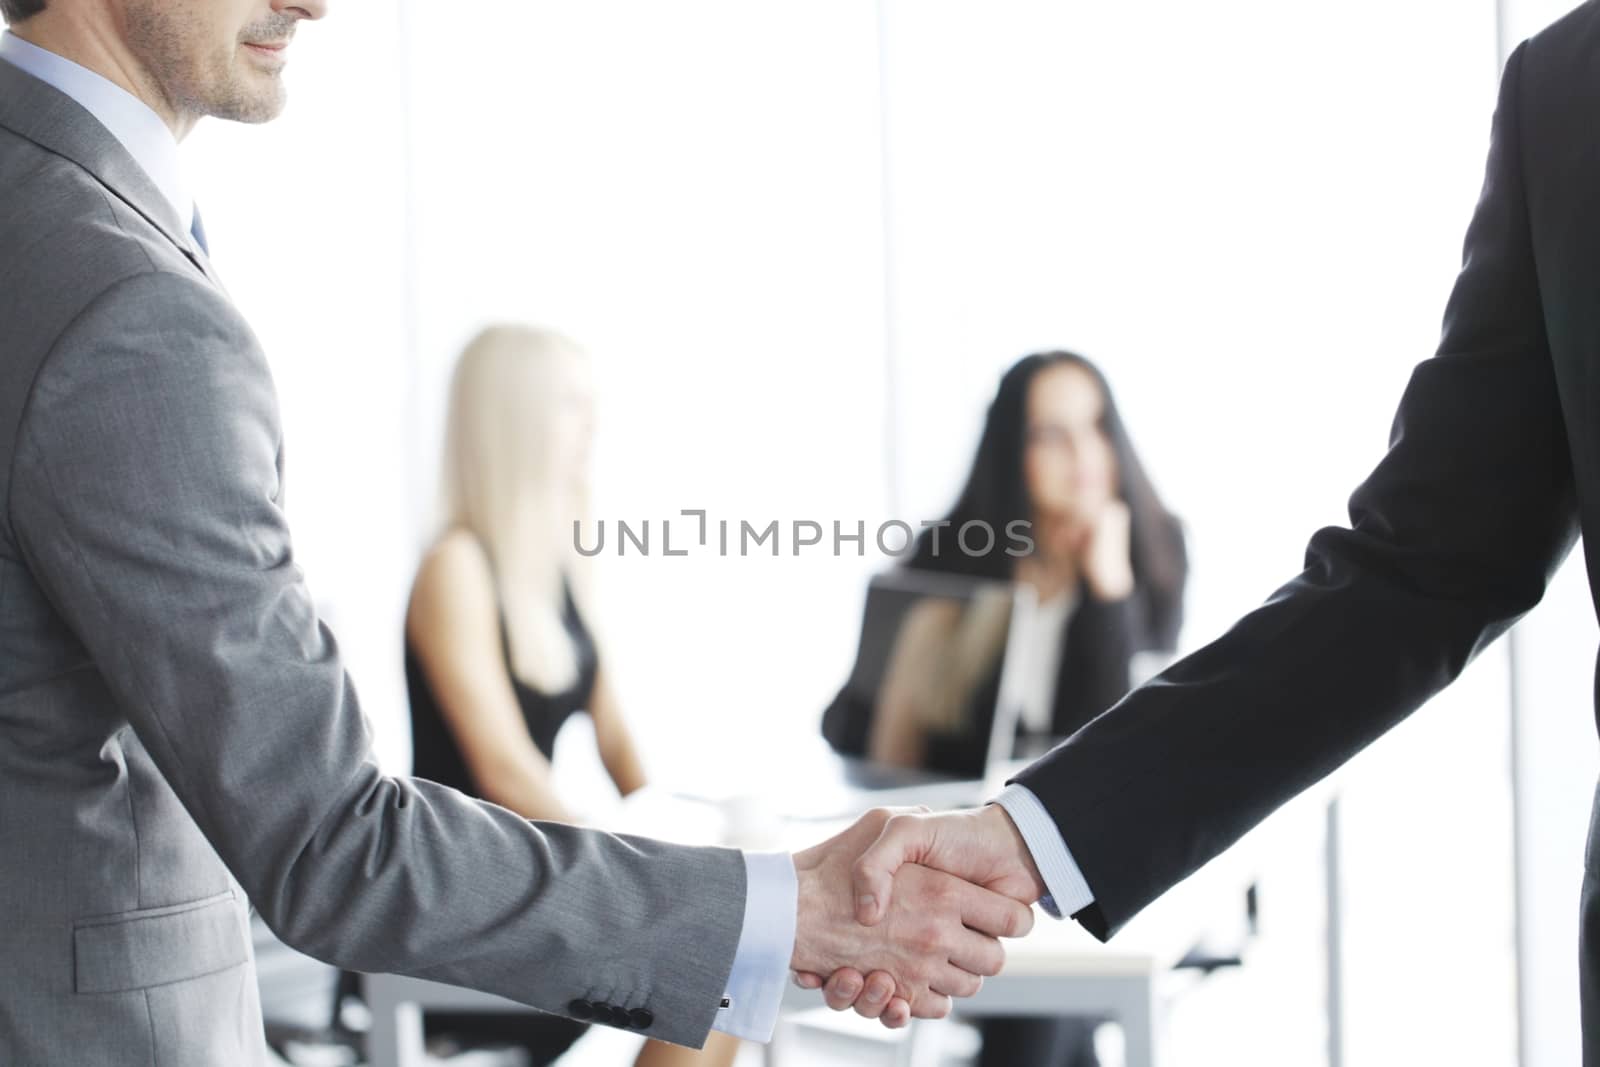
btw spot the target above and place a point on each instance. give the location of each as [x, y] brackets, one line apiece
[1493, 469]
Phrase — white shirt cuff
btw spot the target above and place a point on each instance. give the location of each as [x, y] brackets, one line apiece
[1069, 892]
[766, 945]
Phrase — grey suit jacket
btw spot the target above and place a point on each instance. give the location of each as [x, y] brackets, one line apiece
[177, 735]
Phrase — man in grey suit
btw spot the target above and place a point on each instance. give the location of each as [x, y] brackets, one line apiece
[178, 738]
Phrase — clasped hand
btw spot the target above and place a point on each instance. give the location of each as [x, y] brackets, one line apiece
[903, 911]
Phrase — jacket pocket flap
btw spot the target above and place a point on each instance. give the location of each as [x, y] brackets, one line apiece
[155, 946]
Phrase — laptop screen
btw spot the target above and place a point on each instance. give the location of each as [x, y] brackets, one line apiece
[934, 663]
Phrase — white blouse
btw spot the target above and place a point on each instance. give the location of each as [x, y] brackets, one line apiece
[1046, 636]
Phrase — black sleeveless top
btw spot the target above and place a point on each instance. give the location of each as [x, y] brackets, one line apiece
[436, 756]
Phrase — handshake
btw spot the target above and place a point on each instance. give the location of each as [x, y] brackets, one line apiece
[903, 911]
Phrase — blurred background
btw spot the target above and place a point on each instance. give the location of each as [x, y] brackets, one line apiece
[802, 241]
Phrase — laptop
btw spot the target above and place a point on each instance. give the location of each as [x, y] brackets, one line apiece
[930, 710]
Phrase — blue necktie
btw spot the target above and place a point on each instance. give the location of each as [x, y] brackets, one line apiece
[198, 232]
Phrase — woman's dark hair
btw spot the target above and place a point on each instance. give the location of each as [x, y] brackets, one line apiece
[20, 10]
[997, 494]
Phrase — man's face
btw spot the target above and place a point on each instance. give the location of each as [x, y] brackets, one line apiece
[222, 58]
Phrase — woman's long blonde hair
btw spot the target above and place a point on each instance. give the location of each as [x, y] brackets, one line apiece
[504, 480]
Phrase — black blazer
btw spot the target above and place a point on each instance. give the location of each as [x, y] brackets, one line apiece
[1492, 461]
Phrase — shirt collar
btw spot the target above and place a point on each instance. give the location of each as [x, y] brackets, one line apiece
[140, 130]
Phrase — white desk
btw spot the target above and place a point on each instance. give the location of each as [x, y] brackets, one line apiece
[1057, 970]
[1043, 980]
[1046, 978]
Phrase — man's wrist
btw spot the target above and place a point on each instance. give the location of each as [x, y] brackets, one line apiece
[1001, 824]
[818, 914]
[1068, 891]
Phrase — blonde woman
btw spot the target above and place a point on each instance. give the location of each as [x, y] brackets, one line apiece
[500, 646]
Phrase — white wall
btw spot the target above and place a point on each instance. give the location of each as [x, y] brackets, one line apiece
[305, 218]
[1557, 767]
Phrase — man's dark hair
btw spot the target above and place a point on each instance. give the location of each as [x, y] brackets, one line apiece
[18, 10]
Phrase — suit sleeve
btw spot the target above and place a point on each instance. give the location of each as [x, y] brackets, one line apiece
[145, 500]
[1453, 536]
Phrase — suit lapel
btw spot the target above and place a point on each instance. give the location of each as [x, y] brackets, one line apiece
[57, 123]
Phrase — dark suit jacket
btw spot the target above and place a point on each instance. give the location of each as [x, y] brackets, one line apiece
[1491, 469]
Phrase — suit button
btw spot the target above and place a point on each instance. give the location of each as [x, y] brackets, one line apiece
[606, 1014]
[641, 1018]
[582, 1009]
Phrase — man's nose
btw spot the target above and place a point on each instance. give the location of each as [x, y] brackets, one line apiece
[306, 9]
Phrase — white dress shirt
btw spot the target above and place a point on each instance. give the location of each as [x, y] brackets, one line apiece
[1045, 636]
[766, 941]
[148, 140]
[1068, 891]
